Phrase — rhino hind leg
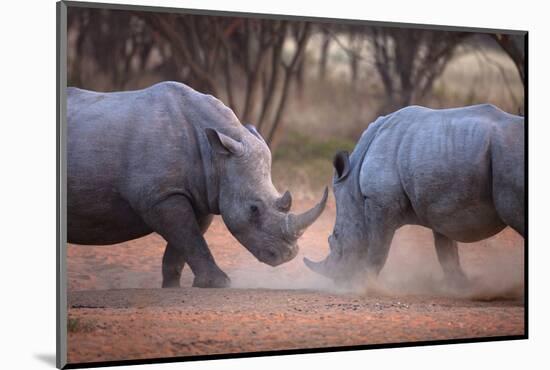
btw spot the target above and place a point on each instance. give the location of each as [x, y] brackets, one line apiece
[447, 254]
[510, 209]
[174, 219]
[508, 185]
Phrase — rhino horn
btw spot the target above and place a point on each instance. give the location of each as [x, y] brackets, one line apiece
[295, 225]
[285, 202]
[318, 267]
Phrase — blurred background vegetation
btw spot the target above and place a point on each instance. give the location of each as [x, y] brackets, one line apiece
[311, 88]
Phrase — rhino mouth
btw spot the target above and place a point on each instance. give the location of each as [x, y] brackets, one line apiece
[276, 243]
[291, 228]
[277, 256]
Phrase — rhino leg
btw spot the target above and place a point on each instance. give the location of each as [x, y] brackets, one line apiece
[447, 254]
[174, 219]
[379, 242]
[510, 209]
[174, 260]
[381, 226]
[172, 265]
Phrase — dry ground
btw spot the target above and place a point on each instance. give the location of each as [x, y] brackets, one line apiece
[117, 310]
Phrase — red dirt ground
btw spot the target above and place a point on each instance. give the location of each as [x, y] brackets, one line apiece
[117, 310]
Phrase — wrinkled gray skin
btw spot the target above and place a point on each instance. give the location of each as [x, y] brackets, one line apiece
[166, 159]
[457, 171]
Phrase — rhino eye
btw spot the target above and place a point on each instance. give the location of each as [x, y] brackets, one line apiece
[254, 215]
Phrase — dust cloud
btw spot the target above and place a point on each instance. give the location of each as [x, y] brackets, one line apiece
[292, 276]
[494, 267]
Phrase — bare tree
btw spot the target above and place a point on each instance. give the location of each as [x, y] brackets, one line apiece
[514, 46]
[117, 43]
[289, 70]
[249, 63]
[251, 49]
[191, 44]
[409, 60]
[356, 43]
[353, 47]
[324, 52]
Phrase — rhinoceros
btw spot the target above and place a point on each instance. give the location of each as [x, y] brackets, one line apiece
[166, 159]
[459, 172]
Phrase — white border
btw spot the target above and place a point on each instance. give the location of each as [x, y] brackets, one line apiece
[28, 182]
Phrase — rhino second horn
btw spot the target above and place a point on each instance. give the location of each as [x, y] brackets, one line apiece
[285, 202]
[295, 225]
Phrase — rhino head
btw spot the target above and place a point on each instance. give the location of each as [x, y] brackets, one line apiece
[251, 208]
[346, 260]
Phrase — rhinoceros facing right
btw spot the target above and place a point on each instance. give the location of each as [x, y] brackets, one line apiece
[457, 171]
[165, 159]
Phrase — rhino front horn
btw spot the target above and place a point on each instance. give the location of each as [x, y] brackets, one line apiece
[295, 225]
[318, 267]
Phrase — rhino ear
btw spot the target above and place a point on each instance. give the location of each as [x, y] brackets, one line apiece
[341, 165]
[252, 129]
[223, 144]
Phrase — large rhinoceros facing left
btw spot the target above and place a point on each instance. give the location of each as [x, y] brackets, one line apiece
[166, 159]
[459, 172]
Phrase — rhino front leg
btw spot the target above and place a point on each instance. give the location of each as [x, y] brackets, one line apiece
[380, 228]
[174, 260]
[447, 254]
[379, 241]
[174, 219]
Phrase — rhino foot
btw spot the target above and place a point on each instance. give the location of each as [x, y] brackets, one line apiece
[458, 282]
[171, 283]
[218, 280]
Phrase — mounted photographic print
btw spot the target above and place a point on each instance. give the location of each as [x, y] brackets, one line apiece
[235, 184]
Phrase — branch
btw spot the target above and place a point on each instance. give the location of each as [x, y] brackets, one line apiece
[180, 50]
[276, 56]
[289, 71]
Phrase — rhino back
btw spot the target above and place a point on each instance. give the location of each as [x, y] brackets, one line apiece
[127, 150]
[441, 160]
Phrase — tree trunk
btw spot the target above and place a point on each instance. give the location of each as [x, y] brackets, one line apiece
[323, 57]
